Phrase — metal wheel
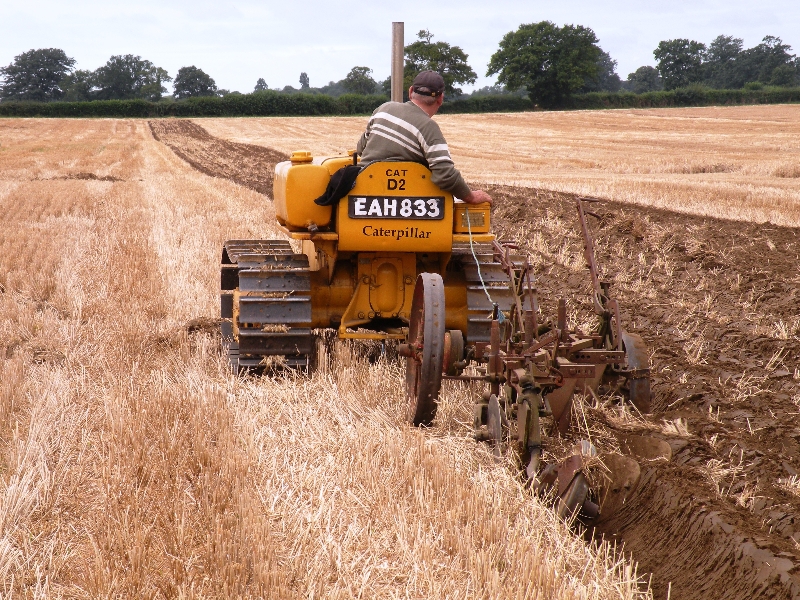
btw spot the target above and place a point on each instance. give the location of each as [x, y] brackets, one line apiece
[494, 423]
[426, 342]
[453, 351]
[639, 366]
[570, 503]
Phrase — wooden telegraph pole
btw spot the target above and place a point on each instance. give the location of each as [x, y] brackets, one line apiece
[397, 61]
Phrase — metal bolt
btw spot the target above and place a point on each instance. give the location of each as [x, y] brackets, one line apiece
[361, 315]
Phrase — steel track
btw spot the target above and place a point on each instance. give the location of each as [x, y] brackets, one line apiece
[267, 288]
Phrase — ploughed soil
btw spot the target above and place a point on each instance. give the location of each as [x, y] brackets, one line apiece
[246, 164]
[717, 303]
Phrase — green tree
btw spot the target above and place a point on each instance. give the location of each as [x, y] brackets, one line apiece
[261, 85]
[78, 86]
[36, 75]
[760, 62]
[496, 90]
[644, 79]
[127, 77]
[359, 81]
[785, 75]
[680, 62]
[191, 81]
[550, 62]
[606, 78]
[721, 68]
[449, 61]
[304, 81]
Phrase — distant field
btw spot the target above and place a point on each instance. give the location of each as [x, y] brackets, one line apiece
[738, 162]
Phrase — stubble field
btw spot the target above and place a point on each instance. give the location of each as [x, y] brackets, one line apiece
[134, 464]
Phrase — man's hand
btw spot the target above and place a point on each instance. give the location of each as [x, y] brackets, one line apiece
[477, 197]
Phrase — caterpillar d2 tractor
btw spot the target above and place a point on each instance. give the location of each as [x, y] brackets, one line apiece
[399, 259]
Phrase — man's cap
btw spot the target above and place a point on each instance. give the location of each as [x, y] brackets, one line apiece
[428, 83]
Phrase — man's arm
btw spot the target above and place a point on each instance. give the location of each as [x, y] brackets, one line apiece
[443, 170]
[446, 176]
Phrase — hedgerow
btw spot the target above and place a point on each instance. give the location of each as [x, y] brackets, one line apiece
[486, 104]
[271, 103]
[261, 104]
[690, 96]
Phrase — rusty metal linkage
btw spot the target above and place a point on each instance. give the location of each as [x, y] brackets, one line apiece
[533, 369]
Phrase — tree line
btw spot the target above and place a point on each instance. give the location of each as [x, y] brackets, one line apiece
[725, 64]
[547, 63]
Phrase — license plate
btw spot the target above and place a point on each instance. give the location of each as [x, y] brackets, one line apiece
[396, 207]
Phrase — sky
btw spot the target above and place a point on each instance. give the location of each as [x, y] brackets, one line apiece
[237, 42]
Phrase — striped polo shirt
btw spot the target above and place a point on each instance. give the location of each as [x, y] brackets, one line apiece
[403, 131]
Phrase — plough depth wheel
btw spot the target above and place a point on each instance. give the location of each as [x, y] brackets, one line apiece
[426, 343]
[571, 501]
[639, 366]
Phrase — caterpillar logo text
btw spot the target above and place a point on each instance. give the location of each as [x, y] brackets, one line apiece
[408, 232]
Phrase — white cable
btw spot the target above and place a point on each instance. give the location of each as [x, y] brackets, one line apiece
[500, 315]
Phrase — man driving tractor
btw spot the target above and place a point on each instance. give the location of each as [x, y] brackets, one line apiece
[405, 131]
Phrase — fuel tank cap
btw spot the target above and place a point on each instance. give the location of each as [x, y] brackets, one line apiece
[301, 156]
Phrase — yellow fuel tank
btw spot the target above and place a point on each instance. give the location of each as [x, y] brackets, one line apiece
[298, 182]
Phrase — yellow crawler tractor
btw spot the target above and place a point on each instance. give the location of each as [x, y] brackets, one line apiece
[360, 265]
[399, 259]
